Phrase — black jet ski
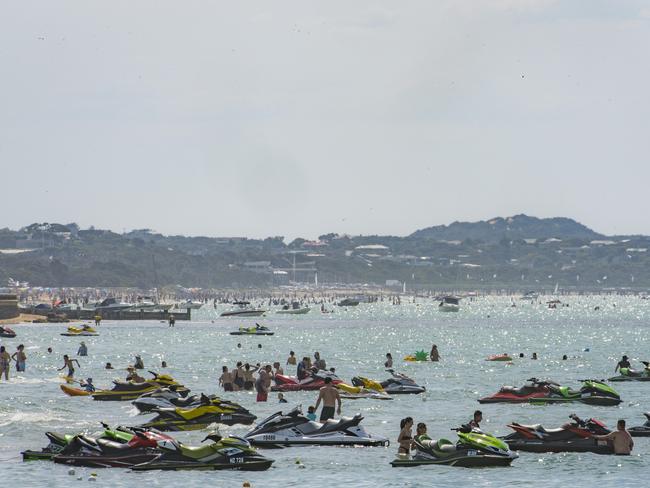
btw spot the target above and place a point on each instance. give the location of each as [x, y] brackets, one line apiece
[223, 453]
[57, 442]
[642, 430]
[166, 398]
[399, 384]
[576, 436]
[474, 449]
[108, 453]
[195, 418]
[7, 332]
[629, 374]
[293, 428]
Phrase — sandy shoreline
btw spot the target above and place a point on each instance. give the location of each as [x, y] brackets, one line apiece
[23, 318]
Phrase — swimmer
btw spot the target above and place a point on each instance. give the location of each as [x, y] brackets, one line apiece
[311, 413]
[281, 398]
[405, 437]
[225, 380]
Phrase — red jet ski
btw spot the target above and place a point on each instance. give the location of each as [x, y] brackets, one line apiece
[315, 381]
[533, 388]
[576, 436]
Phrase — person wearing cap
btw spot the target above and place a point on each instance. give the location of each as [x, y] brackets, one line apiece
[623, 363]
[87, 385]
[83, 350]
[139, 364]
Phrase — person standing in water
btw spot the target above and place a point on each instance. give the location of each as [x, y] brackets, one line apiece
[434, 355]
[292, 358]
[330, 397]
[83, 350]
[389, 361]
[172, 320]
[5, 361]
[405, 437]
[620, 438]
[225, 379]
[20, 358]
[475, 423]
[69, 363]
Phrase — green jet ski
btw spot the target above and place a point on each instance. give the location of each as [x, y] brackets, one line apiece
[593, 392]
[59, 441]
[223, 453]
[629, 374]
[474, 449]
[257, 330]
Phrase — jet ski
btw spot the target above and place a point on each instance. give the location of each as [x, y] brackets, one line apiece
[293, 429]
[7, 332]
[474, 449]
[315, 381]
[107, 453]
[169, 398]
[199, 417]
[576, 436]
[223, 453]
[357, 392]
[642, 430]
[84, 330]
[592, 392]
[629, 374]
[257, 330]
[399, 384]
[59, 441]
[127, 390]
[533, 388]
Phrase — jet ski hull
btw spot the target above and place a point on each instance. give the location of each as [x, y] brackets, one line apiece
[578, 445]
[475, 461]
[594, 400]
[172, 425]
[275, 441]
[256, 465]
[265, 333]
[629, 378]
[125, 461]
[639, 431]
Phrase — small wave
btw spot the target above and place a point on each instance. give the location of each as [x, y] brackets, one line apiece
[28, 418]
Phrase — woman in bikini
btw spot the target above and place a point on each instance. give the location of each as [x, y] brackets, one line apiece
[405, 438]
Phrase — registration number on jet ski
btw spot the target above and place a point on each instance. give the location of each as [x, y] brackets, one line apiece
[237, 460]
[471, 453]
[268, 437]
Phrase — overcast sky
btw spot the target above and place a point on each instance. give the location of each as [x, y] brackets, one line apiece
[301, 118]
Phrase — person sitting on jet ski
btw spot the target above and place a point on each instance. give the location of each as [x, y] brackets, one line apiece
[303, 367]
[139, 364]
[405, 438]
[623, 363]
[421, 433]
[87, 385]
[475, 422]
[134, 376]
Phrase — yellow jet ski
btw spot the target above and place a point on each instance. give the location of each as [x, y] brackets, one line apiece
[127, 390]
[84, 330]
[358, 392]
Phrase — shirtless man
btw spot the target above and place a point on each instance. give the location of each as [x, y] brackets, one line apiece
[69, 363]
[225, 379]
[620, 438]
[475, 423]
[329, 396]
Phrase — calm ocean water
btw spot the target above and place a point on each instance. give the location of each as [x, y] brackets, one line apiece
[354, 341]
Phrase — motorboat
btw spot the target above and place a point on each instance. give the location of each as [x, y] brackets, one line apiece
[243, 310]
[188, 305]
[294, 309]
[348, 302]
[294, 429]
[112, 305]
[449, 304]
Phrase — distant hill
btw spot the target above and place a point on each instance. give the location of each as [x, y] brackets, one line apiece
[516, 227]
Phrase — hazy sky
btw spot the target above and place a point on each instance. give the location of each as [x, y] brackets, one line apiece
[301, 118]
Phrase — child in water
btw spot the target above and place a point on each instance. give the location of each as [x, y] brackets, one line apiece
[311, 413]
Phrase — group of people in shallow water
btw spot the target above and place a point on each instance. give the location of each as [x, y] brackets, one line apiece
[5, 360]
[247, 377]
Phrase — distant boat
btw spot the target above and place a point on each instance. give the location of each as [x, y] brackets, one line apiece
[244, 310]
[530, 295]
[188, 304]
[295, 309]
[348, 302]
[449, 304]
[112, 305]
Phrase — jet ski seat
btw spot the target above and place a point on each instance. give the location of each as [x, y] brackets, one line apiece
[109, 444]
[197, 452]
[540, 428]
[343, 423]
[439, 445]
